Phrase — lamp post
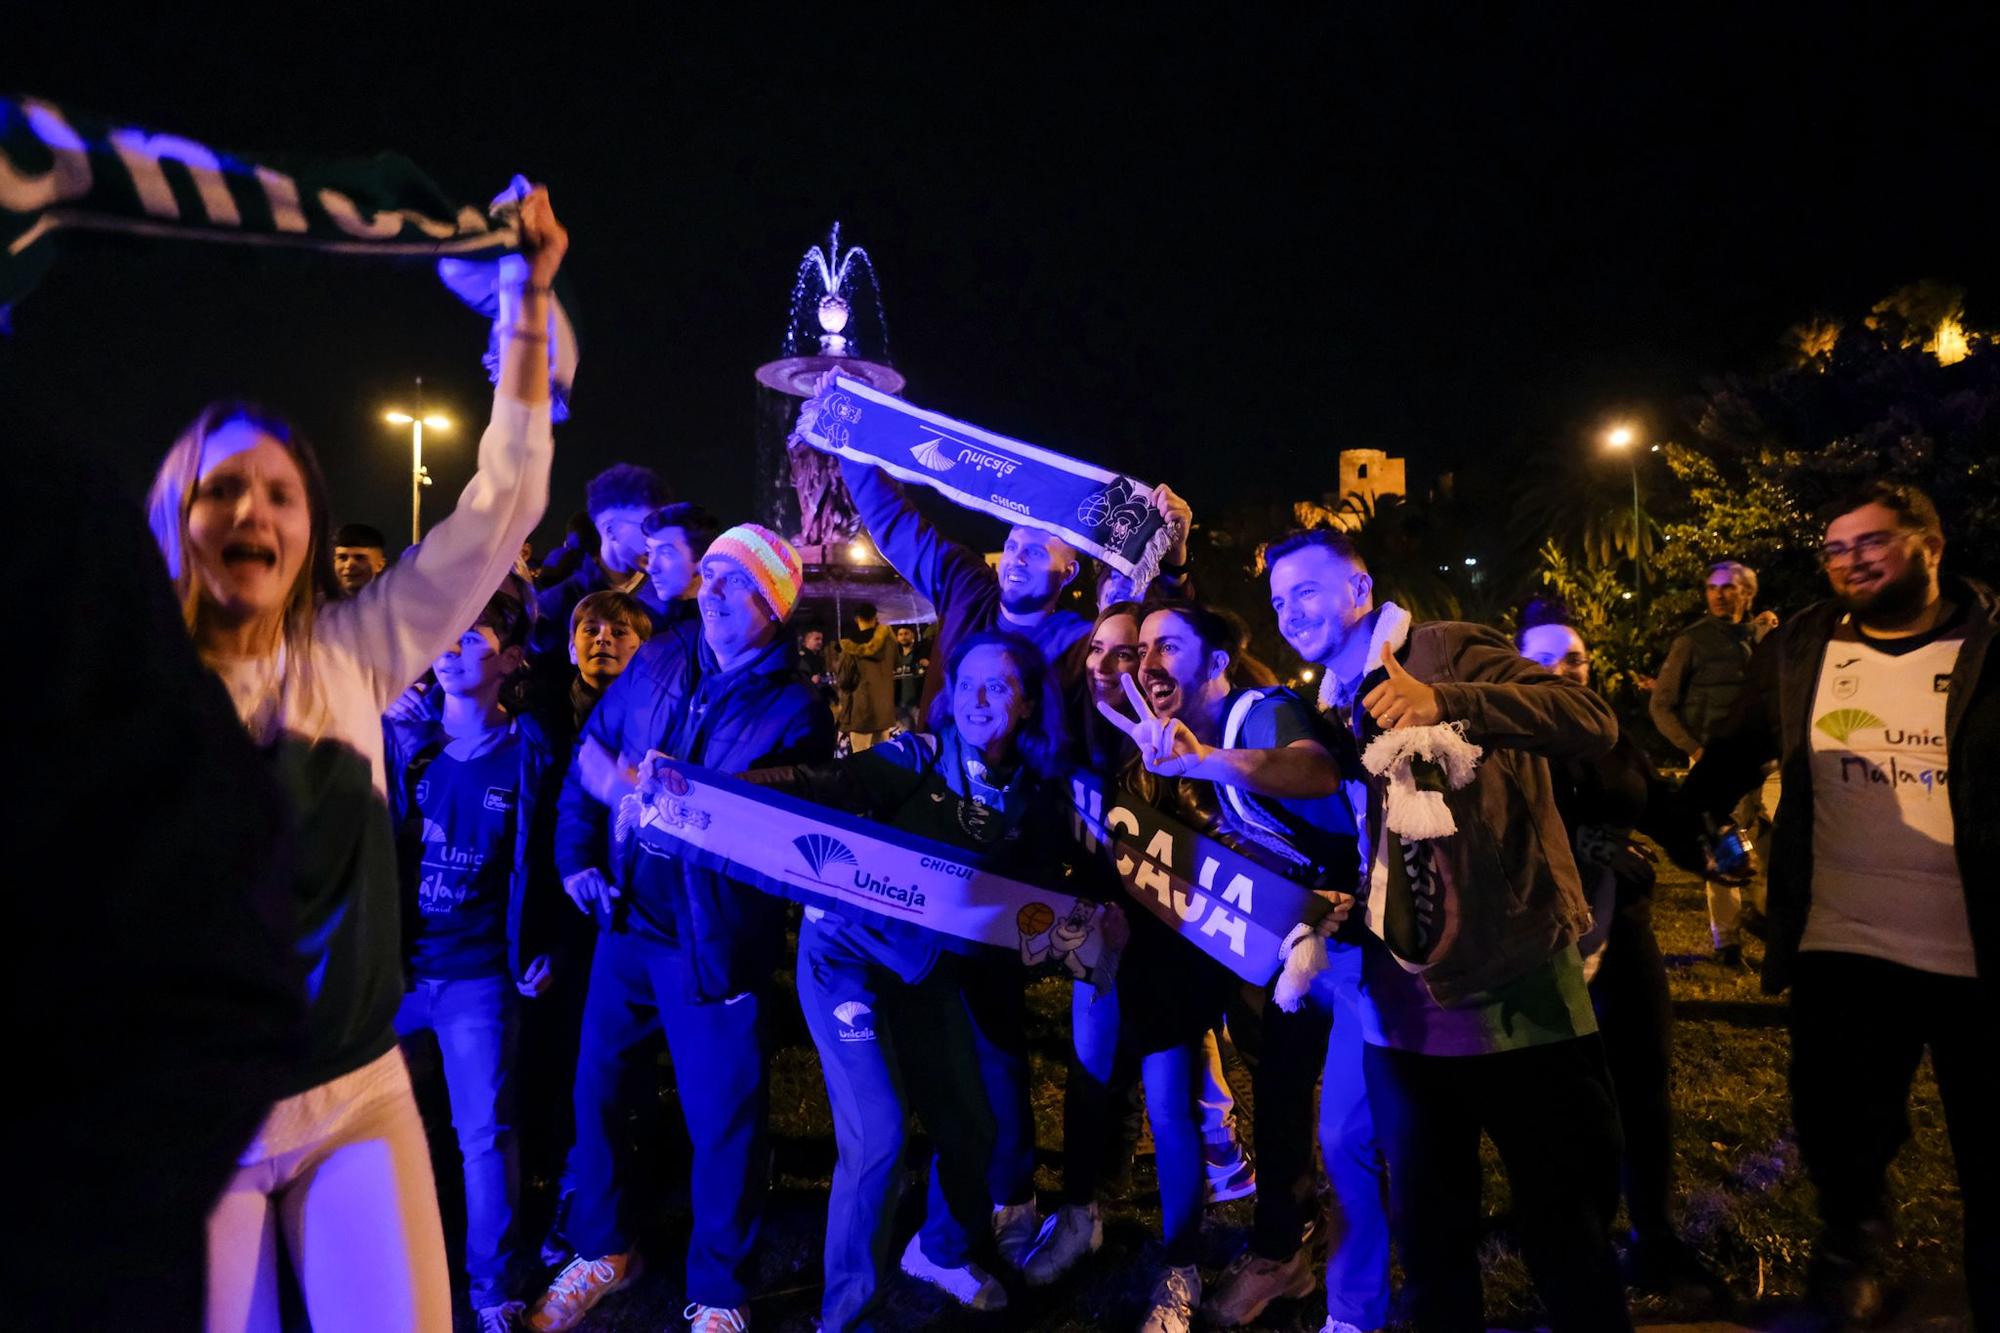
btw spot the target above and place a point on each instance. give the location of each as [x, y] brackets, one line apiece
[420, 476]
[1621, 438]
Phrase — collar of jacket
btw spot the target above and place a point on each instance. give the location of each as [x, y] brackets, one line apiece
[774, 658]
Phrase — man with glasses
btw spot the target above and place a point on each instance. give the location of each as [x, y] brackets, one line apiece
[1695, 688]
[1882, 921]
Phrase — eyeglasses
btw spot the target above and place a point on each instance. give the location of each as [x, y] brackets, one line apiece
[1868, 543]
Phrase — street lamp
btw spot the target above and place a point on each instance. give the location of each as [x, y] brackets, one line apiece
[420, 476]
[1622, 438]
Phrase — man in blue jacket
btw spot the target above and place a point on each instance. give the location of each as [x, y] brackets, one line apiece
[683, 951]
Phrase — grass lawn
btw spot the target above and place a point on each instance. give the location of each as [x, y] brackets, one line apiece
[1744, 1203]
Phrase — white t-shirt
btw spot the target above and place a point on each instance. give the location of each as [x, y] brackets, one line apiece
[1885, 873]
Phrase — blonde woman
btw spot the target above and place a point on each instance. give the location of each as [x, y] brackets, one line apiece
[338, 1179]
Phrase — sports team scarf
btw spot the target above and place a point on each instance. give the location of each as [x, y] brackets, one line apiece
[69, 172]
[1245, 916]
[828, 858]
[1101, 512]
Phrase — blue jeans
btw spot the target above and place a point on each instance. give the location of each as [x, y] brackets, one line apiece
[1174, 1080]
[476, 1024]
[638, 991]
[1357, 1246]
[886, 1047]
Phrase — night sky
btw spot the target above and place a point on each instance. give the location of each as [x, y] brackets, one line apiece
[1212, 251]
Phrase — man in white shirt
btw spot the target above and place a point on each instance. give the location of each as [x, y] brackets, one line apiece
[1886, 720]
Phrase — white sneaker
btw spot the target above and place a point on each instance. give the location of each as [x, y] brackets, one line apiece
[1014, 1229]
[581, 1285]
[715, 1319]
[1333, 1325]
[969, 1285]
[1175, 1297]
[1069, 1236]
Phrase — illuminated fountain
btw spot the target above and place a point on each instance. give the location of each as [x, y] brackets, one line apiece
[835, 322]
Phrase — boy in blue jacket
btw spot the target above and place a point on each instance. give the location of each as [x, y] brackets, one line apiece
[464, 787]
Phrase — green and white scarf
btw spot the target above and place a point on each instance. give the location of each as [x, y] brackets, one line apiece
[61, 171]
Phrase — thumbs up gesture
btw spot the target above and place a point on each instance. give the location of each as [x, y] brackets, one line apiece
[1402, 700]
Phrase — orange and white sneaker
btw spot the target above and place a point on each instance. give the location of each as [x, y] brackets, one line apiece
[580, 1286]
[715, 1319]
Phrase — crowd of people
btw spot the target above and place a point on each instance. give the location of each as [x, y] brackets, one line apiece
[464, 878]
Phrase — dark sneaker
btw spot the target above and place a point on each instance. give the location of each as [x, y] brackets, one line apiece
[1844, 1280]
[1069, 1236]
[1252, 1282]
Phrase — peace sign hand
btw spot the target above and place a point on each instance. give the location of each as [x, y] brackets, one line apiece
[1402, 700]
[1165, 747]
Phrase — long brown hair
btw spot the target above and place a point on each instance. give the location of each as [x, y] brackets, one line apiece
[171, 499]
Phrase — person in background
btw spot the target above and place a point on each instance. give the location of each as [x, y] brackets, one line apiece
[814, 668]
[618, 500]
[338, 1179]
[579, 540]
[606, 630]
[868, 706]
[676, 535]
[360, 552]
[479, 913]
[1602, 801]
[911, 663]
[1696, 687]
[1882, 921]
[682, 951]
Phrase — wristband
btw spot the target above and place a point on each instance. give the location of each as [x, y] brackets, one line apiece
[525, 335]
[536, 289]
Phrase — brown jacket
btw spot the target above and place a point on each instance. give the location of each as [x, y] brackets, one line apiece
[869, 704]
[1510, 887]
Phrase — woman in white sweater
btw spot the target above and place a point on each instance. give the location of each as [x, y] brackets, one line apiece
[338, 1177]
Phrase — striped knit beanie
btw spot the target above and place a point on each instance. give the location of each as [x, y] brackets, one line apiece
[770, 562]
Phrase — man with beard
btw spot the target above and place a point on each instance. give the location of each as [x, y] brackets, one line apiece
[1868, 701]
[1250, 768]
[1472, 1005]
[1023, 593]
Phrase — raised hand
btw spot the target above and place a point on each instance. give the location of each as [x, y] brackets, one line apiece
[1180, 521]
[544, 241]
[1166, 747]
[1402, 700]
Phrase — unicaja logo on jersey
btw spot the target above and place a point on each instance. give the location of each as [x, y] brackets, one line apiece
[931, 454]
[856, 1021]
[1844, 722]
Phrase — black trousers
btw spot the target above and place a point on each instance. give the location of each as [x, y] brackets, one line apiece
[1549, 1112]
[1286, 1054]
[1859, 1027]
[1635, 1018]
